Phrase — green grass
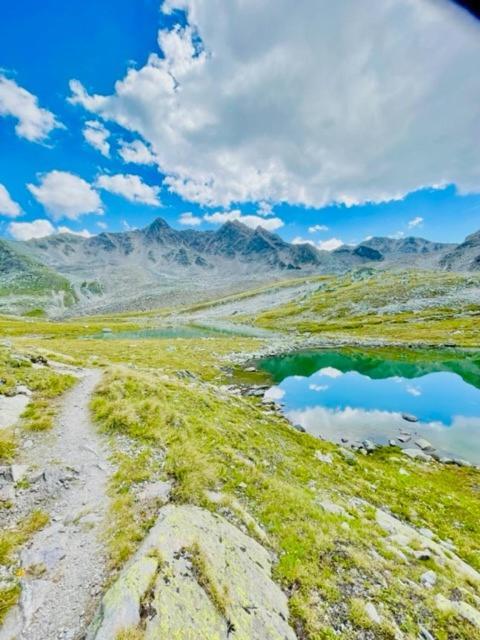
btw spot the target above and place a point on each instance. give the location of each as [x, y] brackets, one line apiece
[11, 540]
[408, 306]
[229, 444]
[45, 384]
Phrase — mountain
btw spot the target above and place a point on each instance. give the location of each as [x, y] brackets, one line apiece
[465, 256]
[29, 284]
[402, 252]
[159, 265]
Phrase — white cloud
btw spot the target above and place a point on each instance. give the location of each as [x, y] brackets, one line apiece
[8, 207]
[65, 195]
[102, 225]
[330, 372]
[415, 222]
[130, 187]
[318, 387]
[189, 220]
[136, 152]
[96, 134]
[398, 235]
[220, 217]
[34, 123]
[84, 233]
[323, 245]
[264, 209]
[317, 228]
[28, 230]
[274, 393]
[275, 109]
[413, 391]
[40, 228]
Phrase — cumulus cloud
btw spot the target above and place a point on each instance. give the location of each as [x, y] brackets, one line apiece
[415, 222]
[136, 152]
[8, 207]
[220, 217]
[65, 195]
[130, 187]
[96, 134]
[317, 228]
[40, 228]
[341, 102]
[33, 122]
[323, 245]
[189, 220]
[28, 230]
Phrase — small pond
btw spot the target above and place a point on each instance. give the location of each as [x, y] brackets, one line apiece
[217, 330]
[364, 394]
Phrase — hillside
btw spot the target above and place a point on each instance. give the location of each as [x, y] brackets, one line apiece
[161, 266]
[29, 285]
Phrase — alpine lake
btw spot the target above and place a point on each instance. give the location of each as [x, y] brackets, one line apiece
[425, 401]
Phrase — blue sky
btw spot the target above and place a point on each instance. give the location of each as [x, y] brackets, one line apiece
[293, 127]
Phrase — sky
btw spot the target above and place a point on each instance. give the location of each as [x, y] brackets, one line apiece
[328, 123]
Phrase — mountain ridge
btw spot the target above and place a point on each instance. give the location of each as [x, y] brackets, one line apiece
[158, 264]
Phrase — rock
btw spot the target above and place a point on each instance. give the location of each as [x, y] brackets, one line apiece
[6, 472]
[174, 593]
[324, 457]
[333, 507]
[7, 492]
[23, 390]
[415, 454]
[460, 462]
[372, 613]
[120, 608]
[404, 535]
[369, 446]
[462, 609]
[409, 417]
[428, 579]
[159, 490]
[299, 427]
[19, 471]
[38, 359]
[425, 445]
[423, 554]
[347, 455]
[404, 438]
[392, 443]
[11, 408]
[250, 369]
[424, 634]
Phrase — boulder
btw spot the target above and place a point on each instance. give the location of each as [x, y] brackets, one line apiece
[415, 454]
[409, 417]
[226, 592]
[424, 445]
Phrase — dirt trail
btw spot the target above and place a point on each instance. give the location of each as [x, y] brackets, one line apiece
[65, 562]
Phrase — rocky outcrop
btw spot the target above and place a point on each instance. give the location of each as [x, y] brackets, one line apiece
[195, 577]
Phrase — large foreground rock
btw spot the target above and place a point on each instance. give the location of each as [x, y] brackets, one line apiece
[163, 591]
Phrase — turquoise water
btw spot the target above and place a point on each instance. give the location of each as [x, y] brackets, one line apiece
[360, 394]
[177, 331]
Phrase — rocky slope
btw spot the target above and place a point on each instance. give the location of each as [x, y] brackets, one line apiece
[27, 283]
[159, 265]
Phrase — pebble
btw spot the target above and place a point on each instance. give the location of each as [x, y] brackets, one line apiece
[428, 579]
[372, 613]
[324, 457]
